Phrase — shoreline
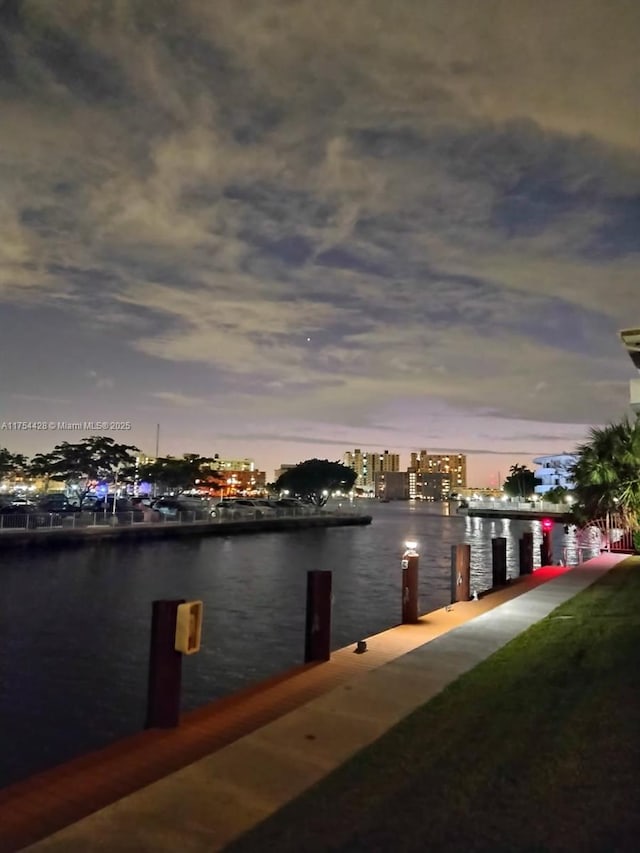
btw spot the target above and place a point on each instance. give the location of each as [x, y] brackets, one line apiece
[152, 531]
[522, 514]
[51, 800]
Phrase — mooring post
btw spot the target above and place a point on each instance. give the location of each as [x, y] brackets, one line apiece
[165, 667]
[460, 573]
[317, 645]
[526, 553]
[499, 561]
[546, 549]
[410, 581]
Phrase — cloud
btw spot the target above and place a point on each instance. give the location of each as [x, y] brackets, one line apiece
[175, 398]
[444, 198]
[38, 398]
[99, 381]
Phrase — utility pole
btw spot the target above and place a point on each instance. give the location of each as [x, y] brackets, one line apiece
[155, 485]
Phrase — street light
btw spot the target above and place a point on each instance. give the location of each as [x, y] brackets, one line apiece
[410, 594]
[115, 489]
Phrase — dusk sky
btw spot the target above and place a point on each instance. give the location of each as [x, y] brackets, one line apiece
[287, 228]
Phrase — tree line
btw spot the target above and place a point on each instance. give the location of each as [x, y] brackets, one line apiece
[606, 474]
[100, 458]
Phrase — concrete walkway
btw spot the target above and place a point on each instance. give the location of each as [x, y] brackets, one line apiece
[204, 806]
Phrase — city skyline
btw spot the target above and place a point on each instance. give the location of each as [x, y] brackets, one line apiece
[453, 462]
[287, 229]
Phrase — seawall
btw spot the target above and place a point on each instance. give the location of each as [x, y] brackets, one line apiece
[522, 514]
[145, 531]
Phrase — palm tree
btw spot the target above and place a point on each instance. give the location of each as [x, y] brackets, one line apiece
[607, 473]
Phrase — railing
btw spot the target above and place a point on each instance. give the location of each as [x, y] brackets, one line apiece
[50, 520]
[519, 506]
[615, 533]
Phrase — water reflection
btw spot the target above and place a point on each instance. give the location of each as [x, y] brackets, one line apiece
[73, 667]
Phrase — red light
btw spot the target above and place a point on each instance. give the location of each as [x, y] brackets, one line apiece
[547, 524]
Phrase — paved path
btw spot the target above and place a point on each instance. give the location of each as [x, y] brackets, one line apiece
[205, 805]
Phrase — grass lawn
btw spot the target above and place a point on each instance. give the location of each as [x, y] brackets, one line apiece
[536, 749]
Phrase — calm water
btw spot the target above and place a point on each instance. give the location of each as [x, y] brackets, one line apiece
[74, 624]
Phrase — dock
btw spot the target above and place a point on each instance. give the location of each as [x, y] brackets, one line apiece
[233, 763]
[151, 531]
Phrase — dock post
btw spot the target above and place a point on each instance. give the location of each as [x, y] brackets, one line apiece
[317, 645]
[165, 668]
[410, 590]
[460, 573]
[499, 561]
[546, 550]
[526, 553]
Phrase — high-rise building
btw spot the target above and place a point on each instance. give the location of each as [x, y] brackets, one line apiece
[412, 485]
[392, 485]
[631, 341]
[452, 464]
[385, 462]
[357, 461]
[233, 464]
[367, 465]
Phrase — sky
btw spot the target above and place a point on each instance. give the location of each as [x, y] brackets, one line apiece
[283, 229]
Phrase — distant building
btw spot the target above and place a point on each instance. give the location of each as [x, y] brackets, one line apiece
[481, 492]
[233, 464]
[142, 459]
[358, 462]
[392, 485]
[280, 471]
[554, 471]
[240, 482]
[454, 465]
[631, 341]
[412, 485]
[367, 465]
[433, 487]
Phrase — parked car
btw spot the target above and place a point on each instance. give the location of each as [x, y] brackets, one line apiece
[173, 507]
[18, 500]
[142, 500]
[122, 507]
[89, 502]
[295, 506]
[25, 516]
[237, 509]
[267, 508]
[57, 506]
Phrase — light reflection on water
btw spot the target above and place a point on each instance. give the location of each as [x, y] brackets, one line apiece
[73, 666]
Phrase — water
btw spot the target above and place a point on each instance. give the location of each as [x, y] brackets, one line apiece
[75, 623]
